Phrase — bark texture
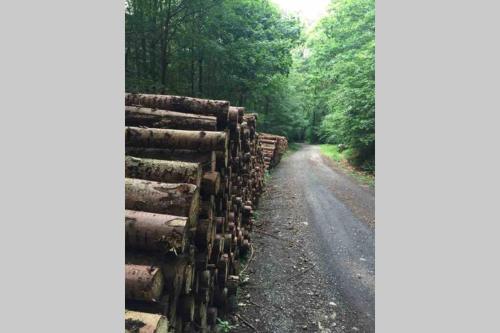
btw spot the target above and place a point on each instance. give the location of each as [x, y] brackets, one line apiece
[140, 322]
[200, 141]
[207, 159]
[208, 107]
[140, 116]
[163, 171]
[162, 198]
[154, 232]
[143, 282]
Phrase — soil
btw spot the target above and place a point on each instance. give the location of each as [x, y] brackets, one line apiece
[312, 268]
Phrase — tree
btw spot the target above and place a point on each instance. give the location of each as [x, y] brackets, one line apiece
[341, 77]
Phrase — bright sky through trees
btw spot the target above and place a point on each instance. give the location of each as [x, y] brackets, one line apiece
[309, 10]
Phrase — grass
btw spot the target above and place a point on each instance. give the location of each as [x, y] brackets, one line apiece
[341, 158]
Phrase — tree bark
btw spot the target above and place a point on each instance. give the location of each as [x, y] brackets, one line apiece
[233, 117]
[176, 139]
[162, 198]
[208, 107]
[163, 171]
[154, 232]
[207, 160]
[143, 282]
[140, 322]
[140, 116]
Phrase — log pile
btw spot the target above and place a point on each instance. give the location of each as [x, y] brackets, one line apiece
[194, 172]
[273, 148]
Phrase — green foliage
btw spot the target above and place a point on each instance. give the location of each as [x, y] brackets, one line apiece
[236, 50]
[340, 76]
[333, 152]
[342, 157]
[318, 87]
[223, 326]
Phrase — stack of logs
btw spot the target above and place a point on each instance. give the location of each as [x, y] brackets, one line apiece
[273, 148]
[194, 172]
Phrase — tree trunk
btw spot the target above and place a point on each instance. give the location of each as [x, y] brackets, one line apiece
[139, 116]
[176, 139]
[154, 232]
[140, 322]
[162, 198]
[143, 282]
[207, 160]
[163, 171]
[207, 107]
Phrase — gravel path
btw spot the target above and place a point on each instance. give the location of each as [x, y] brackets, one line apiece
[313, 267]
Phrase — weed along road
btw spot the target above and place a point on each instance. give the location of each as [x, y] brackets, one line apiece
[313, 268]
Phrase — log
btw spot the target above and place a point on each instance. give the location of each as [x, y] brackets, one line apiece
[154, 232]
[203, 236]
[179, 103]
[143, 282]
[187, 307]
[233, 117]
[222, 160]
[188, 277]
[159, 307]
[200, 141]
[139, 116]
[212, 315]
[162, 198]
[140, 322]
[207, 208]
[175, 270]
[268, 141]
[210, 184]
[233, 282]
[201, 314]
[207, 160]
[163, 171]
[220, 297]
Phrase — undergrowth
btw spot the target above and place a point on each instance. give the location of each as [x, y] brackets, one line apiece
[223, 326]
[342, 158]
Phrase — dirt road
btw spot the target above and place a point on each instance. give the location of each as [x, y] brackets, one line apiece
[313, 268]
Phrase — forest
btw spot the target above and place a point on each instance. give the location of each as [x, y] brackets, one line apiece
[311, 84]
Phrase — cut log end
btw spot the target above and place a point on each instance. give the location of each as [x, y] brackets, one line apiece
[140, 322]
